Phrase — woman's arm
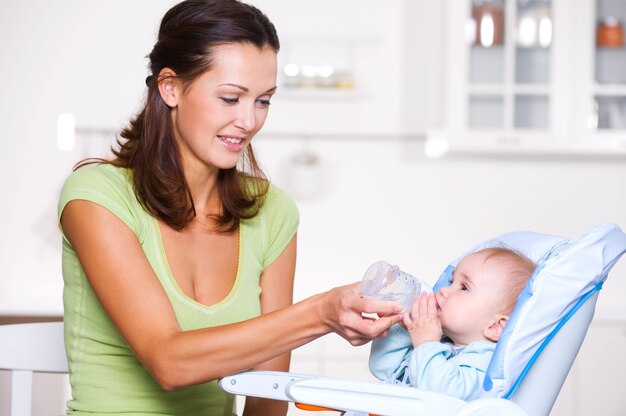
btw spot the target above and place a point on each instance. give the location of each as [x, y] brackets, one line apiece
[131, 294]
[276, 293]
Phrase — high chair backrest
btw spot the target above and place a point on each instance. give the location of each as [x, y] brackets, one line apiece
[539, 388]
[26, 349]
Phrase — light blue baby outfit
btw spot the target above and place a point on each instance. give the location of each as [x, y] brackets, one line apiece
[433, 366]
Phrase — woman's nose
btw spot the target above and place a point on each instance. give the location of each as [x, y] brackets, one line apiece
[245, 118]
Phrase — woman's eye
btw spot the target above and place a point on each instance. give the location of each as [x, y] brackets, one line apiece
[229, 100]
[264, 103]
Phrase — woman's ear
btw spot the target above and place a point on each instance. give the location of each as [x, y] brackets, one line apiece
[495, 328]
[168, 85]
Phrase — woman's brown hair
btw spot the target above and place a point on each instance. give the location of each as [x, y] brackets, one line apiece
[188, 34]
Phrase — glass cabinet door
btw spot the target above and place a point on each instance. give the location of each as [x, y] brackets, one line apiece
[608, 111]
[509, 64]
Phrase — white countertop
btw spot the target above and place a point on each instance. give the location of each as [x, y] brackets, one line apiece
[31, 306]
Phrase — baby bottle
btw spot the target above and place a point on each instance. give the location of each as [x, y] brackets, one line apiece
[386, 282]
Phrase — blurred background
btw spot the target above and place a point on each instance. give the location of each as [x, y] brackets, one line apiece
[406, 130]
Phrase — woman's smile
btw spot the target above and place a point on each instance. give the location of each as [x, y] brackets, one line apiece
[234, 144]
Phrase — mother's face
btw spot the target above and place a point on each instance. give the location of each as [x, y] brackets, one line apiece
[217, 115]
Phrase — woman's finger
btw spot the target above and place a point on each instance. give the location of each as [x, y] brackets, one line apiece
[368, 329]
[379, 307]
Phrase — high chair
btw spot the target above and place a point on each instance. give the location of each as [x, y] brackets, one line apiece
[26, 349]
[532, 357]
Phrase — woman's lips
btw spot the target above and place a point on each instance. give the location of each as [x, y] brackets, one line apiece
[234, 144]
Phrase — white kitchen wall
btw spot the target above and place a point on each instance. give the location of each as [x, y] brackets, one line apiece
[369, 195]
[84, 58]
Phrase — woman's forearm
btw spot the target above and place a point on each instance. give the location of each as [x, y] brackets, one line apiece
[198, 356]
[192, 357]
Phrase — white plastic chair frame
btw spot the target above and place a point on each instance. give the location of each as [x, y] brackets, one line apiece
[26, 349]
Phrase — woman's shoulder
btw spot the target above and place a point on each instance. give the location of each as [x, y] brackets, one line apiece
[102, 183]
[97, 176]
[277, 202]
[93, 174]
[106, 185]
[275, 223]
[278, 195]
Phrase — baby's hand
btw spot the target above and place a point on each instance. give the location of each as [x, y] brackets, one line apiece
[422, 321]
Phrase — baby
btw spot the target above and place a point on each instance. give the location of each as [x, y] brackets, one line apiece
[452, 333]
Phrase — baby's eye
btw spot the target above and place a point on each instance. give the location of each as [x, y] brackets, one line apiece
[464, 287]
[229, 100]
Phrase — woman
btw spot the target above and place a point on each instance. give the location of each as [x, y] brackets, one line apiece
[178, 255]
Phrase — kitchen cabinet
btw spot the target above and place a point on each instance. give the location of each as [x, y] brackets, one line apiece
[535, 76]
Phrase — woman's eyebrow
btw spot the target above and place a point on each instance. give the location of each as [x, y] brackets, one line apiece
[228, 84]
[244, 89]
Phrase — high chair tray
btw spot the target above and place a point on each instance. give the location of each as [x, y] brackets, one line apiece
[362, 396]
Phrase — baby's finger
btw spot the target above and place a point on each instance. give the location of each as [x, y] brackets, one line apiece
[432, 305]
[423, 310]
[407, 320]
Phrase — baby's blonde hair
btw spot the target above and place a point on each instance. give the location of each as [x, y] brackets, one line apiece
[517, 270]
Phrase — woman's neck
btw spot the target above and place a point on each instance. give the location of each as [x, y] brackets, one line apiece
[202, 183]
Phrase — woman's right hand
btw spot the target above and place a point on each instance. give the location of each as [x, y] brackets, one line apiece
[342, 312]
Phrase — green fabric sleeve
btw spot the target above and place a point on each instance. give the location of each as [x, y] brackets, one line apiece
[105, 186]
[282, 221]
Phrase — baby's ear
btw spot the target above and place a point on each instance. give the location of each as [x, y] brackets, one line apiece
[495, 328]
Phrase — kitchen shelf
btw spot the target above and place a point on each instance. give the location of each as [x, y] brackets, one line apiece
[340, 55]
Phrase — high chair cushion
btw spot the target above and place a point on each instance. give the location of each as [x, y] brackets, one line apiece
[567, 271]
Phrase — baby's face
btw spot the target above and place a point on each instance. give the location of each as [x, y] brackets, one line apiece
[470, 303]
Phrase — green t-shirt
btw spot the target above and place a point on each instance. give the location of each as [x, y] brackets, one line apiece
[105, 374]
